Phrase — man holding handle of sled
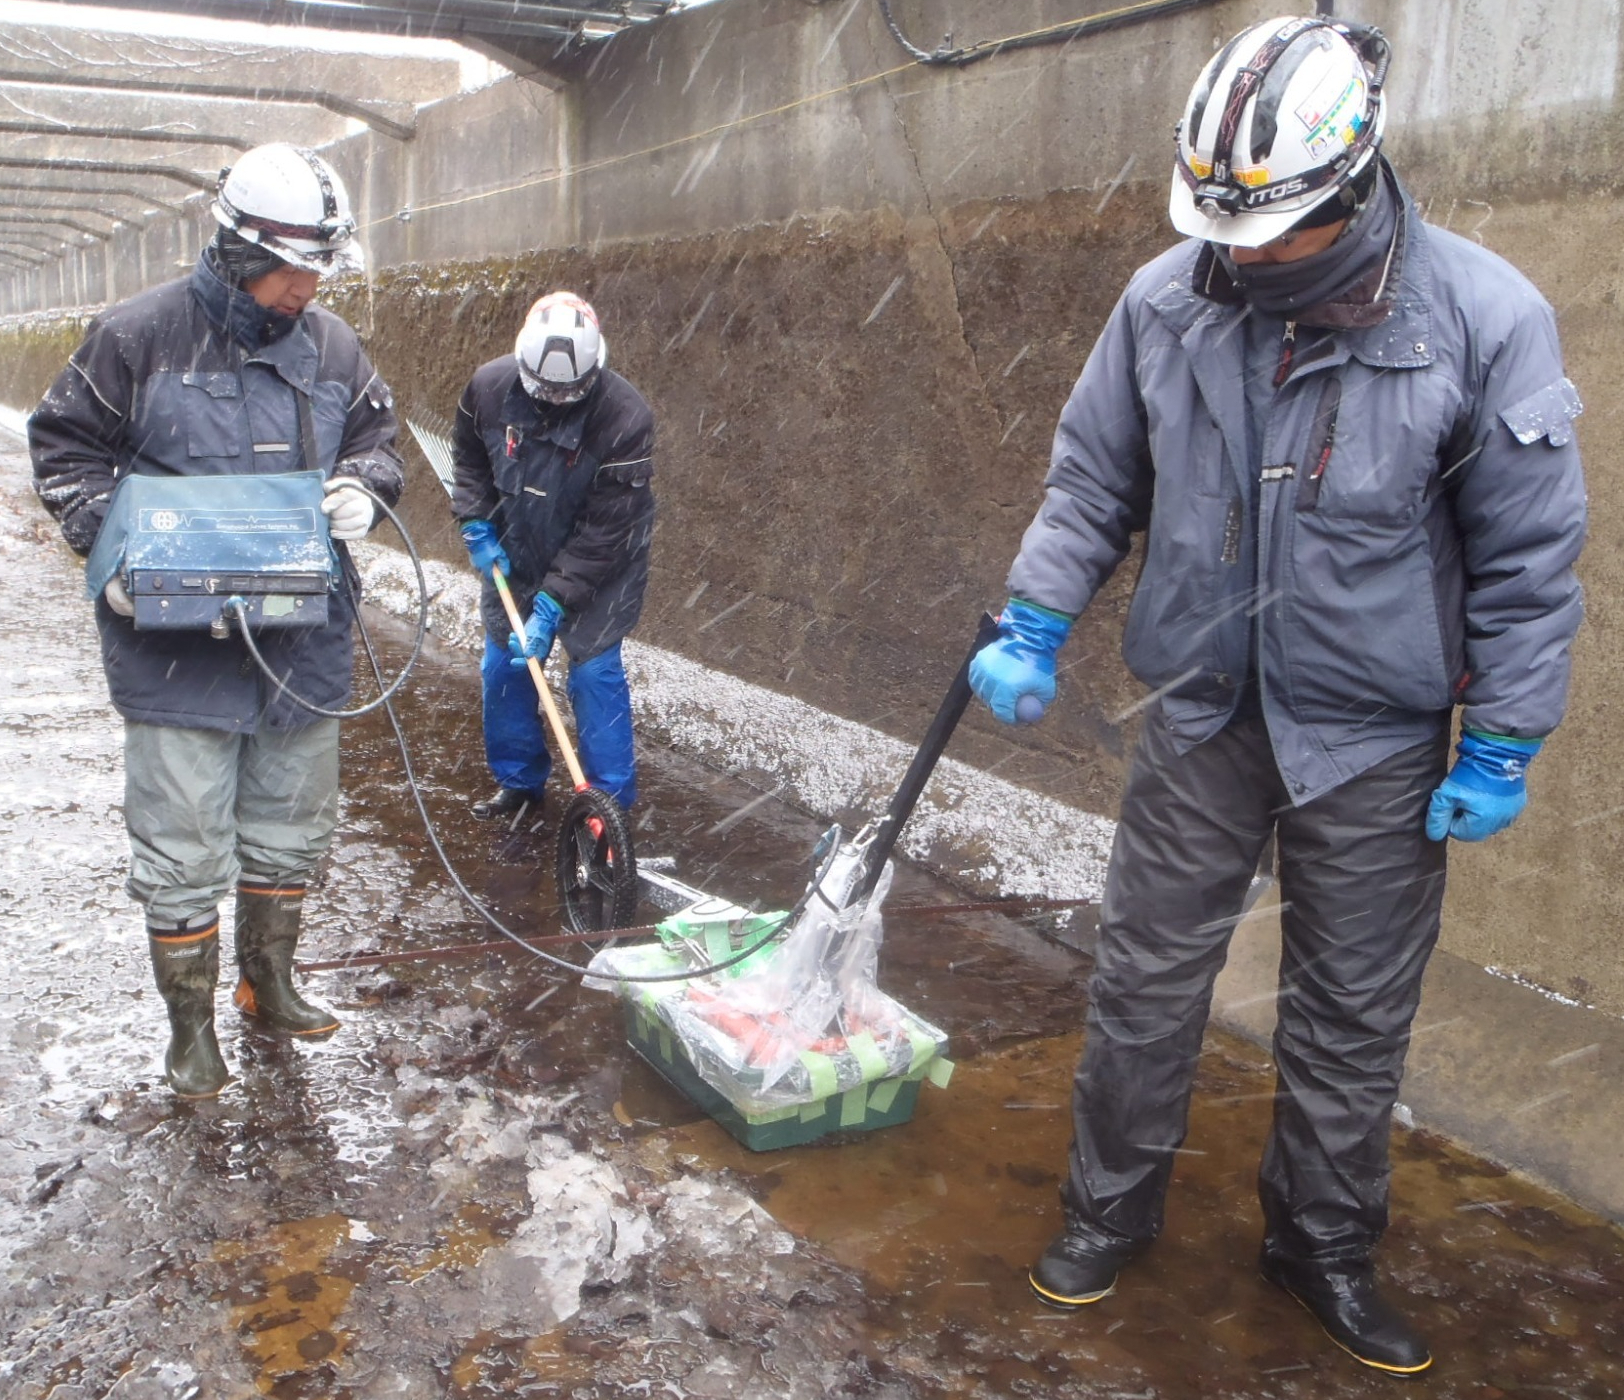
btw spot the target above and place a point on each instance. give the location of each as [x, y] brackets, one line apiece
[1348, 440]
[553, 454]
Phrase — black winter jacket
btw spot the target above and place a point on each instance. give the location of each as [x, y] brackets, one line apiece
[163, 385]
[569, 494]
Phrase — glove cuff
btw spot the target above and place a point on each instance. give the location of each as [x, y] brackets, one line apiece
[1530, 747]
[1035, 624]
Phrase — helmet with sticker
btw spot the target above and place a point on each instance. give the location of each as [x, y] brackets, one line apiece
[1286, 118]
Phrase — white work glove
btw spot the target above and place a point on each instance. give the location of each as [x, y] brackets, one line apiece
[118, 598]
[349, 511]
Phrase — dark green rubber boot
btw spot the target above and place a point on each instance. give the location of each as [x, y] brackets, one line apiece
[186, 964]
[267, 934]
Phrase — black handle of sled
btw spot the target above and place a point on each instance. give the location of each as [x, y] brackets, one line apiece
[924, 762]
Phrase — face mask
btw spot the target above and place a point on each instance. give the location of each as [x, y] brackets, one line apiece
[1288, 287]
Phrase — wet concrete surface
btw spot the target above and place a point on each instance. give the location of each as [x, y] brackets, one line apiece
[476, 1189]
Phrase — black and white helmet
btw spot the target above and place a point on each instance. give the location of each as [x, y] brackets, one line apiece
[560, 349]
[1286, 116]
[289, 201]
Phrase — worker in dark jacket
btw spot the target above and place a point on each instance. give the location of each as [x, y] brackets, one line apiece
[1348, 439]
[554, 456]
[228, 781]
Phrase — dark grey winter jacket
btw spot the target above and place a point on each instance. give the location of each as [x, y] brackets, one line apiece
[569, 493]
[1411, 537]
[159, 387]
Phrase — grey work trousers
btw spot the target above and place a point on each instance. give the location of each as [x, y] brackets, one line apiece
[205, 808]
[1361, 888]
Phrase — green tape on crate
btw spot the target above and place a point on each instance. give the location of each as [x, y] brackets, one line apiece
[821, 1073]
[882, 1095]
[854, 1106]
[810, 1111]
[923, 1045]
[665, 1042]
[868, 1055]
[940, 1072]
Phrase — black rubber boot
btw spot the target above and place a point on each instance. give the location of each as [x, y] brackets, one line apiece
[267, 934]
[507, 802]
[186, 965]
[1344, 1301]
[1076, 1270]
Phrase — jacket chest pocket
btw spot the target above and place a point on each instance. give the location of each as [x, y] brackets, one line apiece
[1372, 445]
[537, 476]
[215, 414]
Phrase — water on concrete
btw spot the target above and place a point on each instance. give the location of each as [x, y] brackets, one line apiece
[476, 1189]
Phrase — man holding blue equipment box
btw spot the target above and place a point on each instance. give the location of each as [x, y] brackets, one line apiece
[230, 371]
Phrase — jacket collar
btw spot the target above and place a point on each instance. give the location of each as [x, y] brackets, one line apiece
[1390, 327]
[241, 319]
[565, 429]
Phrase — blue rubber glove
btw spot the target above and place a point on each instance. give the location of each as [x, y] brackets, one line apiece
[1015, 673]
[545, 615]
[1484, 791]
[484, 548]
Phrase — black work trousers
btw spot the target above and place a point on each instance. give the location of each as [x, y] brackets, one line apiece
[1361, 888]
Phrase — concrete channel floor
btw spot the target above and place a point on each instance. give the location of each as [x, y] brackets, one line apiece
[403, 1211]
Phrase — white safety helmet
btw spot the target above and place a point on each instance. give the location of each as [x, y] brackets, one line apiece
[1287, 115]
[560, 349]
[290, 201]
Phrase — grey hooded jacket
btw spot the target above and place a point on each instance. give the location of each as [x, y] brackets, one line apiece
[1405, 543]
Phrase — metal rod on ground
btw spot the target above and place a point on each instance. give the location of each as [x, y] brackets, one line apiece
[469, 950]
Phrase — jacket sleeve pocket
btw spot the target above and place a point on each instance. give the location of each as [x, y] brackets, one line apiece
[216, 417]
[1546, 413]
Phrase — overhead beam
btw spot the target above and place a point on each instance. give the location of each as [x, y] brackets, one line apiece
[402, 126]
[70, 131]
[83, 204]
[74, 165]
[7, 219]
[392, 83]
[101, 191]
[19, 260]
[445, 19]
[30, 243]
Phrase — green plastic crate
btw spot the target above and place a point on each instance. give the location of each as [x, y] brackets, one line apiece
[881, 1103]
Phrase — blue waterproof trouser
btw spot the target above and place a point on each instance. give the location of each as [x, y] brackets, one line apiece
[515, 733]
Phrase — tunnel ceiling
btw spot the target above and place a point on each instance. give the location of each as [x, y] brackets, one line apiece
[134, 124]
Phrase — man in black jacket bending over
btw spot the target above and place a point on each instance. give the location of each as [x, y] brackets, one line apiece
[554, 455]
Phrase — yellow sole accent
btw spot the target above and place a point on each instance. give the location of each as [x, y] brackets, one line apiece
[1061, 1301]
[1362, 1360]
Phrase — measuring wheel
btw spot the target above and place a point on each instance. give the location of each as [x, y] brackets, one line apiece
[597, 871]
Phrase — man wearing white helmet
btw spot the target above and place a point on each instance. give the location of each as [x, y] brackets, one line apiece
[228, 783]
[1348, 440]
[554, 458]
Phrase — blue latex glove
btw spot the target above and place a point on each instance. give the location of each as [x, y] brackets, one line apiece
[484, 548]
[1015, 673]
[1484, 791]
[545, 615]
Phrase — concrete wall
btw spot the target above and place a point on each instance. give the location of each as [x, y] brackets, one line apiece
[858, 289]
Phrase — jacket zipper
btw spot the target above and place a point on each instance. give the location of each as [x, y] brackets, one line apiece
[1288, 344]
[1325, 416]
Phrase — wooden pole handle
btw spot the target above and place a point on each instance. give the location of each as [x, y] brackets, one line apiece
[554, 719]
